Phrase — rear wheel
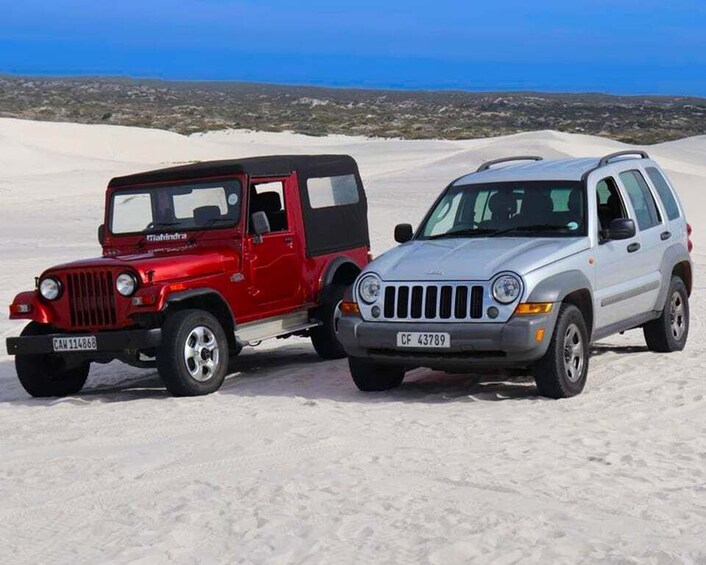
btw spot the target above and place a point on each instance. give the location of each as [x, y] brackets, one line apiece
[49, 375]
[324, 338]
[669, 332]
[562, 371]
[193, 357]
[371, 377]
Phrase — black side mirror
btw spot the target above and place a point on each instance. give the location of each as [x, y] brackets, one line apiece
[403, 233]
[621, 228]
[101, 234]
[260, 223]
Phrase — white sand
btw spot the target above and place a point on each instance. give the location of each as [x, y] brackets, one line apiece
[289, 463]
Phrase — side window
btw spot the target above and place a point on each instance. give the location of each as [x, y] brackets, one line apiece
[665, 193]
[610, 203]
[268, 197]
[641, 198]
[325, 192]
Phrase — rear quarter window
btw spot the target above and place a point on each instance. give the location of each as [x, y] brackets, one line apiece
[665, 193]
[325, 192]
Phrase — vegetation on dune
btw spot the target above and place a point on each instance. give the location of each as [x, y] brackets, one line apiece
[186, 107]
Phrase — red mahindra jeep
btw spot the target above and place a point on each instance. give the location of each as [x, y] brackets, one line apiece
[199, 261]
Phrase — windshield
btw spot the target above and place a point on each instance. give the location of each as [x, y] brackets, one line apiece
[517, 209]
[182, 207]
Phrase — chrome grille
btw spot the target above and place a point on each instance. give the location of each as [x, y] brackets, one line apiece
[433, 302]
[91, 298]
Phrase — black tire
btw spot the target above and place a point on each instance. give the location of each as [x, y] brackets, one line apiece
[562, 371]
[324, 337]
[49, 375]
[182, 374]
[669, 332]
[374, 377]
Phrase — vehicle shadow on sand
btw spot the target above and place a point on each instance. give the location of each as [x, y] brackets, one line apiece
[293, 371]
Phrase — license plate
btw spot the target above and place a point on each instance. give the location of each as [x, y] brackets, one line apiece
[425, 340]
[75, 343]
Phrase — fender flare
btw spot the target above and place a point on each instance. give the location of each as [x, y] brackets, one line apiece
[183, 295]
[674, 255]
[557, 287]
[332, 268]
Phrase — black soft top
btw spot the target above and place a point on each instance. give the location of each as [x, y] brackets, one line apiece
[328, 230]
[274, 165]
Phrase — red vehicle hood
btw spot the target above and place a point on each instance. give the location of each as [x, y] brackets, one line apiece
[160, 267]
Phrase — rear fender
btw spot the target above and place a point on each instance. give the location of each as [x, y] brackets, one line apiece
[674, 255]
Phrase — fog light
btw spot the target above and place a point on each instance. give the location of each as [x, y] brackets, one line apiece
[376, 311]
[493, 312]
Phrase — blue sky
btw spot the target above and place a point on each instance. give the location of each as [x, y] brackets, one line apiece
[616, 46]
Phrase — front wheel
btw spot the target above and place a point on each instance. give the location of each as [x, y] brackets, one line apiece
[193, 357]
[369, 376]
[49, 375]
[669, 332]
[562, 371]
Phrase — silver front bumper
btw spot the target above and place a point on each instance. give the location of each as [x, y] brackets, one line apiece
[510, 344]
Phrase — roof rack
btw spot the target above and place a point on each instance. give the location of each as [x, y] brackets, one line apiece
[608, 158]
[485, 166]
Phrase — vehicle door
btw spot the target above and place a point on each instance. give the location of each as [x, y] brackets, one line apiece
[617, 264]
[272, 268]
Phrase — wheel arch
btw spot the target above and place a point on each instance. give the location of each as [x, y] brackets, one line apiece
[675, 262]
[342, 270]
[209, 300]
[570, 287]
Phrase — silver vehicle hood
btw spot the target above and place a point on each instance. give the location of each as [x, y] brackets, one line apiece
[474, 259]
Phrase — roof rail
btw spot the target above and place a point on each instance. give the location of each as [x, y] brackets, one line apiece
[608, 158]
[485, 166]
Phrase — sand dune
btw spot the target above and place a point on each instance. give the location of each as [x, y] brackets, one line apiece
[289, 462]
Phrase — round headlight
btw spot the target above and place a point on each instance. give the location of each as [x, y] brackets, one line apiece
[50, 288]
[506, 289]
[126, 284]
[369, 288]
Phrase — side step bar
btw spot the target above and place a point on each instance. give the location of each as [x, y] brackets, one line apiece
[254, 332]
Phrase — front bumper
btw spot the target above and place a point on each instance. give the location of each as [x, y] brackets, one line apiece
[510, 344]
[107, 342]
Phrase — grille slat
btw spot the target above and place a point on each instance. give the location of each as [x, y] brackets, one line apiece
[91, 299]
[433, 302]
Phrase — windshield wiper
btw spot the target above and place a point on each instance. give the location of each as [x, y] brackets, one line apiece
[470, 232]
[205, 227]
[536, 228]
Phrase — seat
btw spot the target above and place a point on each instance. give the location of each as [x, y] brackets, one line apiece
[203, 215]
[536, 209]
[502, 206]
[575, 205]
[271, 204]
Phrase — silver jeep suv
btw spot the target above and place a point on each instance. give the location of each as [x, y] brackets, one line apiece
[524, 265]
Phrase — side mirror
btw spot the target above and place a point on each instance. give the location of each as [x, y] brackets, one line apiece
[101, 234]
[260, 223]
[621, 228]
[403, 233]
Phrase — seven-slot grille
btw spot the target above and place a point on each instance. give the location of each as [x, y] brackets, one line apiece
[433, 302]
[91, 298]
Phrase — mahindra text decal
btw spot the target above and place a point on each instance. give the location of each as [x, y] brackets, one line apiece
[160, 237]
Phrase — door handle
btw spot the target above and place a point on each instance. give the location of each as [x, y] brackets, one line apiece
[289, 241]
[665, 235]
[633, 247]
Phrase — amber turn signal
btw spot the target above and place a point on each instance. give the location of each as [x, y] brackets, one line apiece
[350, 308]
[529, 308]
